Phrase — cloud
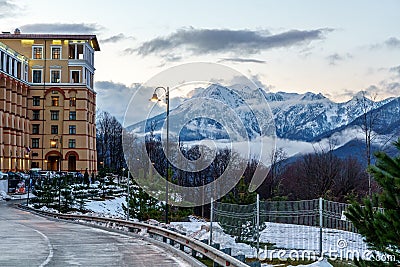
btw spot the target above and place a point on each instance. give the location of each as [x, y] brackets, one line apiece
[256, 79]
[395, 70]
[392, 88]
[393, 42]
[129, 51]
[242, 60]
[171, 57]
[383, 90]
[7, 9]
[334, 58]
[205, 41]
[79, 28]
[115, 38]
[114, 97]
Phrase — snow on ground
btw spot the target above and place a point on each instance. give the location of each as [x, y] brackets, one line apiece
[285, 236]
[291, 236]
[4, 196]
[200, 230]
[323, 263]
[111, 207]
[22, 196]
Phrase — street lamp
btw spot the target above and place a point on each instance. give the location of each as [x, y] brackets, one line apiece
[127, 213]
[155, 98]
[54, 144]
[29, 180]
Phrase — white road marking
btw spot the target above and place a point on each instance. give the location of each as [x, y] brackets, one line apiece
[50, 256]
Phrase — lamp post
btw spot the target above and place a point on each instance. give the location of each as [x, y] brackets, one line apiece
[155, 98]
[29, 180]
[127, 177]
[54, 144]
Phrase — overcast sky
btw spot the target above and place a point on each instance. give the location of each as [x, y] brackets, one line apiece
[334, 47]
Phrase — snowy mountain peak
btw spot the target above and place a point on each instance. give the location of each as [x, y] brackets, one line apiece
[283, 96]
[302, 117]
[312, 97]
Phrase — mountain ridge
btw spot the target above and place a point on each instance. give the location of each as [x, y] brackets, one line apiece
[307, 117]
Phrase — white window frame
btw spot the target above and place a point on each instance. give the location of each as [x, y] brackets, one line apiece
[33, 49]
[25, 66]
[51, 77]
[41, 75]
[70, 75]
[10, 66]
[56, 46]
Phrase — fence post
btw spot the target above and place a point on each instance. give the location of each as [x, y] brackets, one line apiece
[258, 225]
[320, 225]
[211, 221]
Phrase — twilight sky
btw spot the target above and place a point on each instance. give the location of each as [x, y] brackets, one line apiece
[334, 47]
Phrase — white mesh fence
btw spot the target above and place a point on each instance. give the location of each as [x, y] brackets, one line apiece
[294, 225]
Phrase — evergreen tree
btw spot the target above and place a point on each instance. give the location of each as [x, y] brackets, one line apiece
[67, 199]
[379, 220]
[240, 194]
[45, 193]
[142, 206]
[240, 204]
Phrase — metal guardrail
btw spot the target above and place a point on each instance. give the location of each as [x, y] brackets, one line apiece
[195, 245]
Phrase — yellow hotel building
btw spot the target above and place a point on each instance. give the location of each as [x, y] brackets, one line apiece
[47, 102]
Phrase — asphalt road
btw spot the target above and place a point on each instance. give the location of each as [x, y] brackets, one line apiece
[30, 240]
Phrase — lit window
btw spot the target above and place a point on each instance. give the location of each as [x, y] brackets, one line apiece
[53, 143]
[72, 129]
[55, 76]
[35, 142]
[54, 115]
[55, 101]
[36, 76]
[37, 52]
[71, 143]
[75, 76]
[56, 52]
[72, 102]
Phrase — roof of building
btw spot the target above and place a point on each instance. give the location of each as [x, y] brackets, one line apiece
[90, 37]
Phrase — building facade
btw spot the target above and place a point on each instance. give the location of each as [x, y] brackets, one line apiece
[48, 104]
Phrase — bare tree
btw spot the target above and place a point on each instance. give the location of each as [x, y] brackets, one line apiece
[273, 181]
[109, 141]
[351, 180]
[370, 117]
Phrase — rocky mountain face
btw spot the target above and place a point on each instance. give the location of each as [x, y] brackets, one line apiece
[305, 117]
